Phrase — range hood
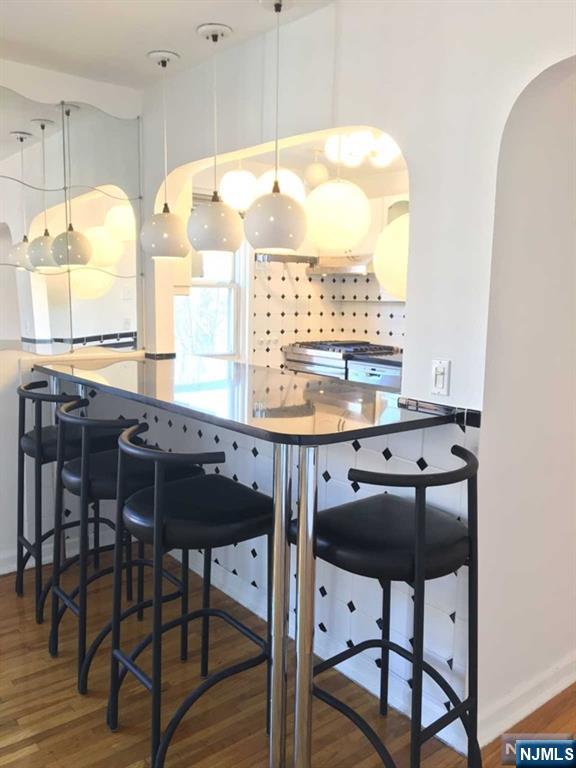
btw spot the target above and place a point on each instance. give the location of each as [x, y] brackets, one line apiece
[320, 266]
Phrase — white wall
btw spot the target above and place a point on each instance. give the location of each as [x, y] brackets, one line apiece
[441, 77]
[49, 86]
[528, 441]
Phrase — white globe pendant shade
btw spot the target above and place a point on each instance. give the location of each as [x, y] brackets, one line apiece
[215, 226]
[316, 174]
[19, 254]
[71, 248]
[289, 182]
[40, 252]
[384, 151]
[164, 236]
[338, 215]
[391, 257]
[344, 149]
[275, 222]
[121, 222]
[238, 189]
[106, 250]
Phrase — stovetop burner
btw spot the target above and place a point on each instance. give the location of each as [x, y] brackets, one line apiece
[346, 348]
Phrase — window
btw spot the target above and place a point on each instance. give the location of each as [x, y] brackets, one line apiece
[209, 321]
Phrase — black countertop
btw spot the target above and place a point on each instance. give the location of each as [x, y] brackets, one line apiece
[267, 403]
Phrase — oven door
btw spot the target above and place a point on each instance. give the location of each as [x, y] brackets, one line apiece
[318, 369]
[388, 376]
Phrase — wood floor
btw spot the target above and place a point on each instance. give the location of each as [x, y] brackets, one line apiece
[45, 723]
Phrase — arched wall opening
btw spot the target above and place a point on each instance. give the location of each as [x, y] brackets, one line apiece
[357, 291]
[528, 440]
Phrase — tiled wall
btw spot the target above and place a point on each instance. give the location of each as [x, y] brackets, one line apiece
[288, 306]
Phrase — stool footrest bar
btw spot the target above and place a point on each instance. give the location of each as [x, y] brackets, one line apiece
[67, 600]
[138, 673]
[455, 713]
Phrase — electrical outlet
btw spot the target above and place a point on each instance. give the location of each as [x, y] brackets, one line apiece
[441, 377]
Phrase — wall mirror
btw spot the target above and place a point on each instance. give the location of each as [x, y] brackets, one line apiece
[69, 218]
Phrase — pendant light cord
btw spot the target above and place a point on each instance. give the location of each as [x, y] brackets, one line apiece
[277, 9]
[164, 64]
[69, 154]
[215, 120]
[43, 129]
[24, 217]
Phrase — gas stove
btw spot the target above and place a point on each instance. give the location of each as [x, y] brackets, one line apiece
[376, 364]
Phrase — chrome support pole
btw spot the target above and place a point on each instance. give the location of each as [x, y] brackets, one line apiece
[280, 591]
[308, 465]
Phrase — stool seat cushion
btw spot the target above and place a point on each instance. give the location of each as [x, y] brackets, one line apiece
[208, 511]
[101, 440]
[104, 474]
[375, 537]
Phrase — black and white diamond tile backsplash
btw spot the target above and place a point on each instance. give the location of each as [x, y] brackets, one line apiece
[288, 306]
[347, 606]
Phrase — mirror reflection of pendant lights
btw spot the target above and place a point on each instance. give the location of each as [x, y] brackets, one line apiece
[163, 235]
[238, 189]
[40, 249]
[215, 226]
[316, 173]
[70, 248]
[384, 151]
[19, 251]
[275, 221]
[121, 222]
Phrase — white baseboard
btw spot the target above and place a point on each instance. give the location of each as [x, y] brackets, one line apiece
[525, 699]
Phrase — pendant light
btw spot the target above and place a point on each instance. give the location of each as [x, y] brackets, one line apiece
[40, 250]
[163, 234]
[19, 251]
[275, 221]
[70, 248]
[215, 226]
[238, 189]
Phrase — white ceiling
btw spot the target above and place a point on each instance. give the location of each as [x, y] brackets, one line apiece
[108, 39]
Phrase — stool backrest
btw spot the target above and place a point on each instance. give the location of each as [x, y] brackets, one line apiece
[161, 460]
[30, 392]
[422, 480]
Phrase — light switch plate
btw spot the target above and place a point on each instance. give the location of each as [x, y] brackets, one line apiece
[441, 377]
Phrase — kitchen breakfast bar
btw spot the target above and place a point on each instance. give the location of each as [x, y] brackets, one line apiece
[289, 410]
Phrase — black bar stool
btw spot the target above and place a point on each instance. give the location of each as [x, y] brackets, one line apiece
[393, 538]
[92, 477]
[40, 444]
[195, 513]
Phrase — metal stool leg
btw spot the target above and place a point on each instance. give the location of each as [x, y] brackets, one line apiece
[385, 655]
[474, 754]
[19, 586]
[38, 510]
[140, 580]
[185, 575]
[418, 642]
[157, 612]
[58, 543]
[96, 512]
[206, 619]
[116, 606]
[83, 556]
[129, 572]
